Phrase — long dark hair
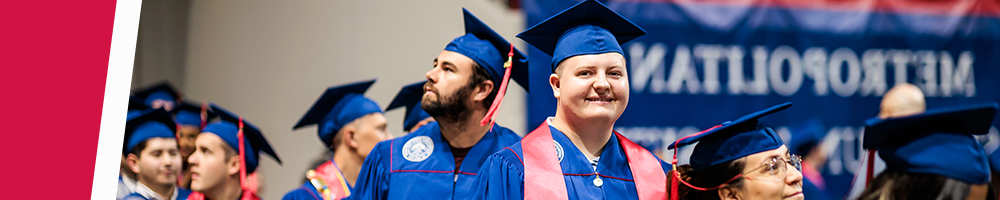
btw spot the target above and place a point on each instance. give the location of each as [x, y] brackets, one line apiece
[708, 177]
[895, 184]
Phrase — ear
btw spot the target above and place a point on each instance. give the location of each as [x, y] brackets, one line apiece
[233, 167]
[554, 83]
[133, 163]
[484, 89]
[728, 193]
[348, 137]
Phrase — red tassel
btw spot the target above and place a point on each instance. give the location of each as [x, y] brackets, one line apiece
[677, 175]
[204, 115]
[243, 162]
[871, 166]
[491, 115]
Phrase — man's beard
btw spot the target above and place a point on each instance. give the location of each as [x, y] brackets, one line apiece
[450, 108]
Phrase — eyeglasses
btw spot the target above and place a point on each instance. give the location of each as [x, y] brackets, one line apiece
[778, 167]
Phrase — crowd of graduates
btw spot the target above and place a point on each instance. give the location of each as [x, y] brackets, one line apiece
[176, 148]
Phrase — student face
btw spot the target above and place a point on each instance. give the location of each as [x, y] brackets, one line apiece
[448, 92]
[768, 175]
[368, 131]
[212, 162]
[187, 134]
[592, 87]
[160, 103]
[158, 163]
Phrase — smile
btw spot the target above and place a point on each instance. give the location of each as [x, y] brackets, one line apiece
[600, 99]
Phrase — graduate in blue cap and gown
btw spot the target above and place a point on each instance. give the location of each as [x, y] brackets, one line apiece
[576, 154]
[931, 155]
[463, 93]
[191, 117]
[737, 160]
[160, 95]
[349, 124]
[225, 152]
[126, 178]
[153, 156]
[410, 97]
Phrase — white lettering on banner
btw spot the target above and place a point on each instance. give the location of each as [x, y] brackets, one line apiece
[815, 61]
[844, 87]
[711, 55]
[778, 57]
[758, 86]
[783, 70]
[874, 77]
[682, 71]
[647, 68]
[735, 83]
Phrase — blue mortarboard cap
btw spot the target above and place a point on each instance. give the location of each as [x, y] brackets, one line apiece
[410, 96]
[161, 90]
[135, 107]
[733, 140]
[337, 107]
[806, 136]
[938, 142]
[588, 27]
[227, 128]
[136, 103]
[489, 50]
[148, 124]
[189, 113]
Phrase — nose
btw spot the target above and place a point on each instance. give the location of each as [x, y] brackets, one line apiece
[194, 158]
[793, 176]
[430, 75]
[168, 160]
[601, 85]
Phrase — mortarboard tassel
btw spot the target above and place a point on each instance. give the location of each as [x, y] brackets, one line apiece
[243, 165]
[204, 115]
[871, 166]
[243, 162]
[491, 115]
[177, 136]
[677, 175]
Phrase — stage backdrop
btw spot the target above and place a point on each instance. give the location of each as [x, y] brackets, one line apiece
[704, 63]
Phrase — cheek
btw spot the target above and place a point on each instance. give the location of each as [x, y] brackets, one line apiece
[620, 88]
[763, 190]
[213, 164]
[577, 88]
[150, 164]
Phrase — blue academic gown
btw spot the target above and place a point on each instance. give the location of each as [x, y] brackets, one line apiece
[308, 192]
[182, 194]
[811, 192]
[386, 174]
[502, 176]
